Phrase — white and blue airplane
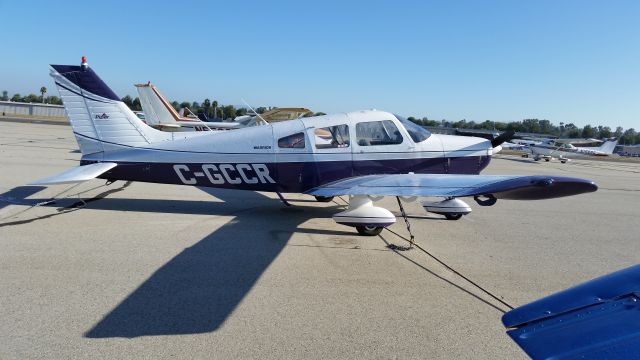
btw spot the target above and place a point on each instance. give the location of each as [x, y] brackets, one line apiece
[565, 150]
[362, 154]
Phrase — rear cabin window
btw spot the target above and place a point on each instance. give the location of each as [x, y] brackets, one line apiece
[295, 141]
[331, 137]
[373, 133]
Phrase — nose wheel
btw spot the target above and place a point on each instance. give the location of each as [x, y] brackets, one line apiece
[453, 216]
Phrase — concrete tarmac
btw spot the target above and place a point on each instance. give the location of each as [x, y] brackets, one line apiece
[163, 271]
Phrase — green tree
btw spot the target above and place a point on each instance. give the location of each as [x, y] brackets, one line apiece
[206, 107]
[531, 125]
[176, 105]
[16, 98]
[546, 127]
[5, 95]
[54, 100]
[619, 132]
[604, 131]
[229, 112]
[31, 98]
[135, 105]
[43, 90]
[587, 132]
[127, 100]
[628, 138]
[214, 105]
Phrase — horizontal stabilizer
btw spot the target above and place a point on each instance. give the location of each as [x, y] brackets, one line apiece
[77, 174]
[449, 185]
[599, 319]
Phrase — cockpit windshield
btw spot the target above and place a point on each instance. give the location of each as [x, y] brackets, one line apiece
[417, 132]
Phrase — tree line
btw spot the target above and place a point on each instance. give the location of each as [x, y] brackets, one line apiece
[537, 126]
[214, 110]
[32, 98]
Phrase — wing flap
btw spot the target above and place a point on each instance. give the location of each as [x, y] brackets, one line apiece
[500, 186]
[77, 174]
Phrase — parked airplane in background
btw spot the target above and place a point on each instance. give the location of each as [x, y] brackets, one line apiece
[273, 115]
[160, 114]
[362, 154]
[565, 150]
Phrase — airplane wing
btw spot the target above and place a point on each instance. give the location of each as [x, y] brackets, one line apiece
[77, 174]
[598, 319]
[499, 186]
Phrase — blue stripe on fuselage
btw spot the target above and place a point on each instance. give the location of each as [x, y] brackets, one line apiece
[292, 177]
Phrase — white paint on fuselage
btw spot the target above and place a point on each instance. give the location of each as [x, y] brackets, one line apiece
[260, 144]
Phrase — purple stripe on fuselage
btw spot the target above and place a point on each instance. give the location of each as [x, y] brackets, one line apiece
[293, 177]
[86, 79]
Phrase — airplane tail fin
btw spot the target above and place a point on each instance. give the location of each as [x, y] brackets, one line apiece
[157, 110]
[608, 146]
[100, 120]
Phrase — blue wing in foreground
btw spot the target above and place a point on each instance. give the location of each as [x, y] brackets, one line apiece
[500, 186]
[599, 319]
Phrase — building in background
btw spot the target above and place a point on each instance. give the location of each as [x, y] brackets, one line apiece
[31, 110]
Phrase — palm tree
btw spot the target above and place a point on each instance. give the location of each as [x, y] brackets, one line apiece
[215, 108]
[43, 90]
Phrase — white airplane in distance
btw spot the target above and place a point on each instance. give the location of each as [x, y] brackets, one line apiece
[565, 150]
[363, 154]
[160, 114]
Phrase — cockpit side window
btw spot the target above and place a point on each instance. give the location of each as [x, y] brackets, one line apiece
[416, 132]
[295, 141]
[373, 133]
[331, 137]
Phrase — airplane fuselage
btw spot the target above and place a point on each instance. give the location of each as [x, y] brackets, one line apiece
[296, 155]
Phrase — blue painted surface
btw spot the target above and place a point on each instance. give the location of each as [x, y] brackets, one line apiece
[599, 319]
[290, 177]
[86, 79]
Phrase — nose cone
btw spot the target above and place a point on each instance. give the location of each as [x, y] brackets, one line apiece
[467, 144]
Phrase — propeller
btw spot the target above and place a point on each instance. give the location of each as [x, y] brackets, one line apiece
[505, 136]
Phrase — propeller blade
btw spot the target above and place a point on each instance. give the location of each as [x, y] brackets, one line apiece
[505, 136]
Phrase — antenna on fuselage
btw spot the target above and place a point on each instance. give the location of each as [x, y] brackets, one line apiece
[255, 112]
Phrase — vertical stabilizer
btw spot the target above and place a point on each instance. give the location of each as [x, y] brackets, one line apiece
[100, 121]
[608, 146]
[157, 110]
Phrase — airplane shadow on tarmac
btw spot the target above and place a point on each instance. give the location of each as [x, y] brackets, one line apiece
[199, 288]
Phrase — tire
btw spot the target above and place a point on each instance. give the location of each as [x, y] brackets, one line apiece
[547, 159]
[453, 216]
[324, 198]
[369, 230]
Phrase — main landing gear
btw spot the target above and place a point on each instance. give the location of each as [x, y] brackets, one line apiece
[368, 220]
[452, 209]
[369, 230]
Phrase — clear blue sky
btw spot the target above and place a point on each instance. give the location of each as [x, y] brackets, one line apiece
[565, 60]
